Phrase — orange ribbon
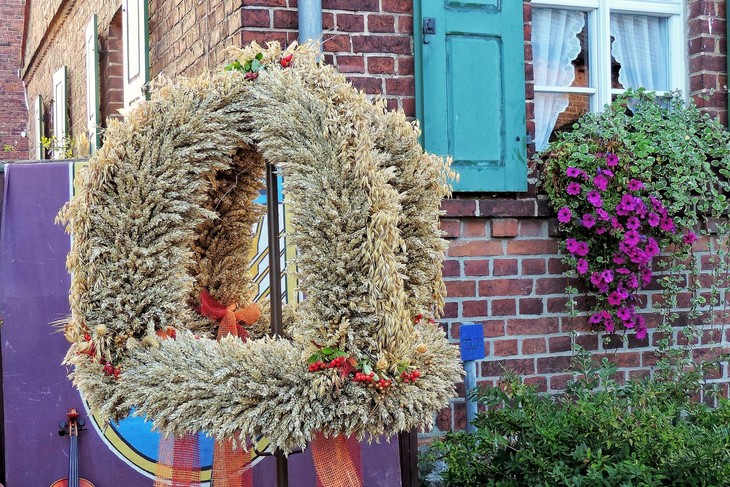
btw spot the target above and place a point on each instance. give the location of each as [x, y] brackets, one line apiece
[227, 316]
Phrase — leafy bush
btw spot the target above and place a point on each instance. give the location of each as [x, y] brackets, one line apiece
[639, 434]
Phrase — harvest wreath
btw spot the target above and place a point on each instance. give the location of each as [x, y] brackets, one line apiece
[162, 228]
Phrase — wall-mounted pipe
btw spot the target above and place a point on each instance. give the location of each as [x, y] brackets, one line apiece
[310, 20]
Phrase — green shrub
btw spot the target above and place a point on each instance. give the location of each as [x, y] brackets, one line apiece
[643, 433]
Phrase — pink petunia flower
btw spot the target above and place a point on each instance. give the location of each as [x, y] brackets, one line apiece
[595, 318]
[564, 214]
[614, 299]
[653, 220]
[602, 214]
[635, 185]
[594, 198]
[573, 172]
[633, 223]
[571, 245]
[624, 314]
[632, 238]
[607, 275]
[600, 182]
[573, 189]
[667, 224]
[581, 249]
[609, 325]
[581, 266]
[618, 259]
[611, 160]
[690, 238]
[588, 221]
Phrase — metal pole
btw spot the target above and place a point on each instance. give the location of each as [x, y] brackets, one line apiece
[470, 383]
[277, 328]
[309, 15]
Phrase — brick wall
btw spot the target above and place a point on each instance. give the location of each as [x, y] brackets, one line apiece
[187, 36]
[62, 44]
[14, 113]
[706, 28]
[371, 41]
[111, 70]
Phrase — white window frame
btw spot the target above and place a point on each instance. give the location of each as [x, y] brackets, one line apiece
[92, 83]
[135, 50]
[38, 127]
[60, 109]
[599, 45]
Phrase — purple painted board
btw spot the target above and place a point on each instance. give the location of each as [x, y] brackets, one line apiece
[37, 393]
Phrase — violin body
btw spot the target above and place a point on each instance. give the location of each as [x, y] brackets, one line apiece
[71, 428]
[64, 483]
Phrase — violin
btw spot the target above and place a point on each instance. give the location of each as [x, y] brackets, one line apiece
[71, 427]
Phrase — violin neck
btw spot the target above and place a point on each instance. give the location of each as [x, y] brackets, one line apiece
[73, 463]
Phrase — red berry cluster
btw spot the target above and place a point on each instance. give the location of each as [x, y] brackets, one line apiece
[363, 377]
[110, 370]
[336, 362]
[410, 376]
[286, 61]
[383, 384]
[317, 366]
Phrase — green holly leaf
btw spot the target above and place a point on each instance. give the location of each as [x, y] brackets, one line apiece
[259, 56]
[255, 65]
[313, 358]
[235, 65]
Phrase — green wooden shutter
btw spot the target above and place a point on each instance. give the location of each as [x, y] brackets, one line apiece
[471, 89]
[135, 34]
[92, 84]
[38, 128]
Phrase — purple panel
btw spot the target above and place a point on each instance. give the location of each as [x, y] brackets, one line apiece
[37, 393]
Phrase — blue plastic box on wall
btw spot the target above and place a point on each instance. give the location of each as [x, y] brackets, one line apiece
[471, 341]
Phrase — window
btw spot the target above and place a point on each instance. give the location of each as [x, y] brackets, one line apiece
[585, 52]
[92, 84]
[135, 33]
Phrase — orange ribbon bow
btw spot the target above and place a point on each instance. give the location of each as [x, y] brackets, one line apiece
[227, 316]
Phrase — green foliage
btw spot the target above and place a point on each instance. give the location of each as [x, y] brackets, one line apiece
[599, 433]
[682, 154]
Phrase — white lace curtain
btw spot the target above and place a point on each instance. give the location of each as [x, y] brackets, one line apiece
[555, 46]
[640, 48]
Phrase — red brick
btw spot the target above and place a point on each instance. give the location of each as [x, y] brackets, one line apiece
[474, 227]
[504, 307]
[381, 23]
[405, 24]
[454, 207]
[556, 266]
[471, 309]
[382, 44]
[398, 6]
[493, 328]
[328, 21]
[587, 341]
[408, 104]
[400, 86]
[262, 36]
[255, 18]
[532, 247]
[532, 326]
[266, 3]
[474, 248]
[503, 348]
[354, 5]
[476, 267]
[559, 382]
[506, 227]
[336, 43]
[451, 310]
[531, 306]
[451, 268]
[443, 419]
[405, 66]
[460, 289]
[459, 416]
[532, 346]
[381, 65]
[498, 368]
[350, 23]
[451, 228]
[350, 64]
[507, 208]
[551, 285]
[549, 365]
[505, 287]
[532, 267]
[505, 267]
[538, 382]
[286, 19]
[371, 86]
